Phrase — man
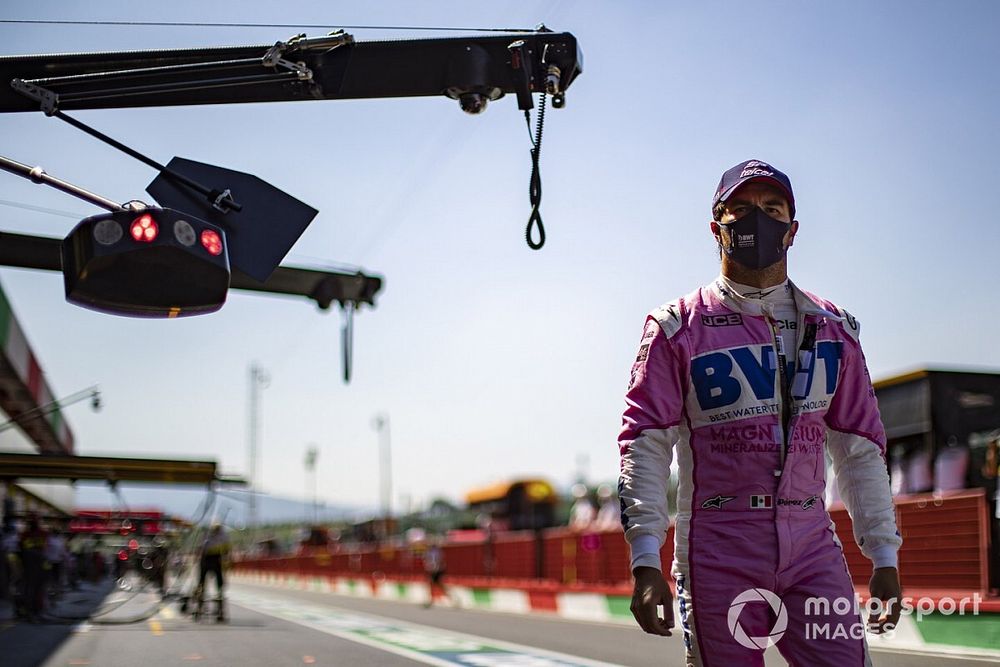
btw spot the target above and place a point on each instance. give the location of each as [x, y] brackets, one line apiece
[32, 553]
[990, 473]
[434, 566]
[748, 378]
[214, 556]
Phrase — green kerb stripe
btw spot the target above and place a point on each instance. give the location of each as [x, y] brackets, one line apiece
[481, 597]
[982, 631]
[618, 606]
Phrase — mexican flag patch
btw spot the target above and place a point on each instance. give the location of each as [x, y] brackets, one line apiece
[760, 502]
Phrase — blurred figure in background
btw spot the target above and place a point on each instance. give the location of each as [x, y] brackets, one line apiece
[434, 566]
[8, 552]
[214, 556]
[991, 472]
[32, 556]
[582, 513]
[609, 510]
[55, 558]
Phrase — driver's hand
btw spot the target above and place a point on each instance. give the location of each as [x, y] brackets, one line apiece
[651, 591]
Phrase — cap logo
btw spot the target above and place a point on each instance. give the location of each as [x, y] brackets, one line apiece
[755, 171]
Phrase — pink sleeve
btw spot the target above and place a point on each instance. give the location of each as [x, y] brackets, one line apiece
[655, 396]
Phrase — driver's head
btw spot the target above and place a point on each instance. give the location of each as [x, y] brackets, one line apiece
[747, 186]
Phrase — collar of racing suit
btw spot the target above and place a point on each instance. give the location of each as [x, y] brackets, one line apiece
[725, 290]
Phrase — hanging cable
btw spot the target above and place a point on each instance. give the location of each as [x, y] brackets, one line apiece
[535, 184]
[41, 209]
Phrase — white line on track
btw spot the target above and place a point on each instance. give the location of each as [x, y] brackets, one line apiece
[426, 644]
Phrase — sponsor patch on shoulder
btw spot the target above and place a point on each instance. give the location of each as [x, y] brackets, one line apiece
[726, 320]
[643, 353]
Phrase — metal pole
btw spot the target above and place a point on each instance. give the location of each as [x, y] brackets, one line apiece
[312, 453]
[258, 380]
[385, 464]
[38, 175]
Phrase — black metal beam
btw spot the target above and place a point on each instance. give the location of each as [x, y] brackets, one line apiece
[232, 75]
[108, 468]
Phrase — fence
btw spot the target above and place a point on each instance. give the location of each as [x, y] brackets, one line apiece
[945, 546]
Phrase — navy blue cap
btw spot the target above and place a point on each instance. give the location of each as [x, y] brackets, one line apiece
[753, 170]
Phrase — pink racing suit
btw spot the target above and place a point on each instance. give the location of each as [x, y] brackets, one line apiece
[756, 558]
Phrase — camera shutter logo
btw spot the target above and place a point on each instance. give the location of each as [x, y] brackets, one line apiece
[780, 622]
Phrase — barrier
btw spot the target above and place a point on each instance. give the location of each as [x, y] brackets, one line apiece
[945, 549]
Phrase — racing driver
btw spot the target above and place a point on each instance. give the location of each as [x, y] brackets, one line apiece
[749, 379]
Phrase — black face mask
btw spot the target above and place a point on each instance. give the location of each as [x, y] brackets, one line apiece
[756, 240]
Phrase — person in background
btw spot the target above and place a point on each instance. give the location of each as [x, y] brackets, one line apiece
[608, 511]
[434, 566]
[991, 473]
[8, 551]
[55, 559]
[582, 513]
[31, 551]
[214, 557]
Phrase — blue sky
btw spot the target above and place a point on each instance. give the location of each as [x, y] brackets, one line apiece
[491, 359]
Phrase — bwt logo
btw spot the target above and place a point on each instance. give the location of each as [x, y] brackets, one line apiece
[720, 378]
[780, 621]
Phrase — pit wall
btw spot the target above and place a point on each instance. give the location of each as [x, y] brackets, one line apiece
[945, 546]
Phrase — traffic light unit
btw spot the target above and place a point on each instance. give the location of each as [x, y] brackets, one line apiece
[150, 262]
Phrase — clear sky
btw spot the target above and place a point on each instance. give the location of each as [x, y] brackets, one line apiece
[491, 359]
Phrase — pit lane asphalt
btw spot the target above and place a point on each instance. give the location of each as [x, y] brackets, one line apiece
[261, 637]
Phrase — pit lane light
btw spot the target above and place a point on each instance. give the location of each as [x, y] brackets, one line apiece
[212, 242]
[143, 229]
[146, 272]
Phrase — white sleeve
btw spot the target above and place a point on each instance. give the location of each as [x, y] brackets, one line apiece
[864, 487]
[642, 490]
[856, 442]
[650, 428]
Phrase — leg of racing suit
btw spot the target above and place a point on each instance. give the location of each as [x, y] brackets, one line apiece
[824, 623]
[737, 593]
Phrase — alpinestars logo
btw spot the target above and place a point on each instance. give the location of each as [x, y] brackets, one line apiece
[717, 502]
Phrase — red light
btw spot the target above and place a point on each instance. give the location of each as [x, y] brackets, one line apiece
[144, 228]
[122, 554]
[133, 544]
[212, 242]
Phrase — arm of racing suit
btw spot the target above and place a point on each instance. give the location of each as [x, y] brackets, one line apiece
[856, 442]
[649, 431]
